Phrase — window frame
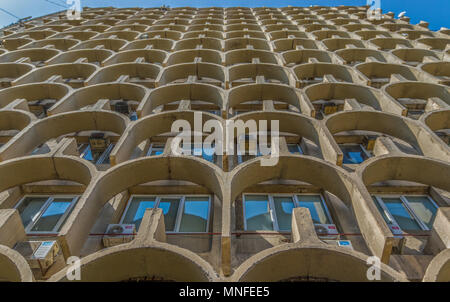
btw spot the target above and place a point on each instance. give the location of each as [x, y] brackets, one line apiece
[272, 210]
[84, 146]
[179, 210]
[44, 207]
[154, 146]
[367, 153]
[405, 202]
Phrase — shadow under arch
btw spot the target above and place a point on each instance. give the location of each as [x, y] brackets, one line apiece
[302, 125]
[398, 126]
[433, 172]
[13, 266]
[437, 120]
[439, 268]
[152, 125]
[54, 126]
[160, 261]
[131, 173]
[45, 168]
[15, 119]
[290, 262]
[186, 91]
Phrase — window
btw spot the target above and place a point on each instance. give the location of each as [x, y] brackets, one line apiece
[274, 212]
[96, 157]
[295, 149]
[410, 213]
[354, 153]
[45, 214]
[250, 143]
[155, 149]
[203, 152]
[183, 214]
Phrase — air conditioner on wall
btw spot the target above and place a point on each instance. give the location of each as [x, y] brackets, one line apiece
[40, 255]
[118, 234]
[327, 231]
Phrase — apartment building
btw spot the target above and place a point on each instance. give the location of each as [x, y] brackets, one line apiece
[88, 166]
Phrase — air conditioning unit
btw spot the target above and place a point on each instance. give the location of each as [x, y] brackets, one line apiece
[330, 109]
[98, 141]
[41, 255]
[118, 234]
[340, 243]
[122, 107]
[327, 231]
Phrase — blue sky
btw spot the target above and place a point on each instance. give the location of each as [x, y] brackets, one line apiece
[434, 11]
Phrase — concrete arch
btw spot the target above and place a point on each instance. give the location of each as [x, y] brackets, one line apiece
[77, 35]
[295, 57]
[94, 56]
[122, 263]
[418, 90]
[324, 175]
[364, 95]
[238, 56]
[91, 94]
[208, 72]
[32, 54]
[305, 168]
[58, 43]
[150, 126]
[190, 55]
[177, 92]
[147, 72]
[400, 127]
[66, 71]
[129, 174]
[340, 72]
[161, 44]
[54, 126]
[433, 172]
[247, 73]
[316, 262]
[192, 43]
[302, 125]
[152, 56]
[111, 44]
[15, 119]
[437, 120]
[47, 168]
[354, 55]
[274, 92]
[439, 268]
[33, 92]
[13, 267]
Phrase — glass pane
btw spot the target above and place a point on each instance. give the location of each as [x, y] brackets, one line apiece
[382, 212]
[423, 208]
[156, 150]
[52, 215]
[353, 154]
[136, 210]
[170, 210]
[294, 149]
[195, 214]
[316, 208]
[257, 213]
[401, 214]
[283, 210]
[29, 208]
[87, 154]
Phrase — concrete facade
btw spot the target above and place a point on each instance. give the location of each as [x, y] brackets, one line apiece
[86, 114]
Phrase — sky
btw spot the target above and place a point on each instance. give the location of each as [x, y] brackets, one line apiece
[434, 11]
